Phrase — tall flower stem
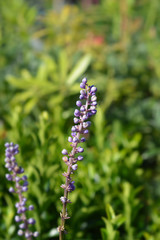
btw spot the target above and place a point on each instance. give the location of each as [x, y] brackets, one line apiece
[77, 130]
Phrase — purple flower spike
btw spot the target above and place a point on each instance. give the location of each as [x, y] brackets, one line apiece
[87, 105]
[21, 185]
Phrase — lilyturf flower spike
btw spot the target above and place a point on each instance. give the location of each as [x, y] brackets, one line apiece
[87, 107]
[21, 186]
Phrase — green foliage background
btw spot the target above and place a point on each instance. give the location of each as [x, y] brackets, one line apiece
[44, 55]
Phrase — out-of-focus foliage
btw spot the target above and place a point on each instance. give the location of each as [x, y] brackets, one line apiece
[44, 54]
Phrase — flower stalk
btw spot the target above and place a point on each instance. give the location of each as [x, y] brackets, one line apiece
[79, 131]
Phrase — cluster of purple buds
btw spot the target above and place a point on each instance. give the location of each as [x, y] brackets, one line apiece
[86, 108]
[21, 186]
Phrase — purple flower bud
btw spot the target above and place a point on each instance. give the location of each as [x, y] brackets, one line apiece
[86, 131]
[24, 189]
[35, 234]
[28, 235]
[24, 199]
[93, 98]
[89, 114]
[17, 179]
[23, 209]
[23, 204]
[93, 89]
[25, 183]
[85, 125]
[7, 160]
[11, 190]
[85, 117]
[82, 108]
[70, 139]
[74, 167]
[83, 139]
[78, 103]
[24, 178]
[75, 139]
[84, 80]
[20, 233]
[31, 221]
[73, 134]
[94, 112]
[92, 108]
[6, 145]
[81, 97]
[9, 177]
[82, 85]
[94, 103]
[63, 199]
[20, 170]
[17, 205]
[83, 92]
[7, 165]
[73, 129]
[22, 226]
[64, 152]
[80, 149]
[76, 113]
[80, 158]
[31, 207]
[76, 120]
[71, 186]
[12, 158]
[17, 218]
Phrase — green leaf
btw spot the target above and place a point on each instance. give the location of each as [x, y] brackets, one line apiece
[79, 69]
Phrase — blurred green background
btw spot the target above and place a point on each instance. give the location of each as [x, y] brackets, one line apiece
[46, 48]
